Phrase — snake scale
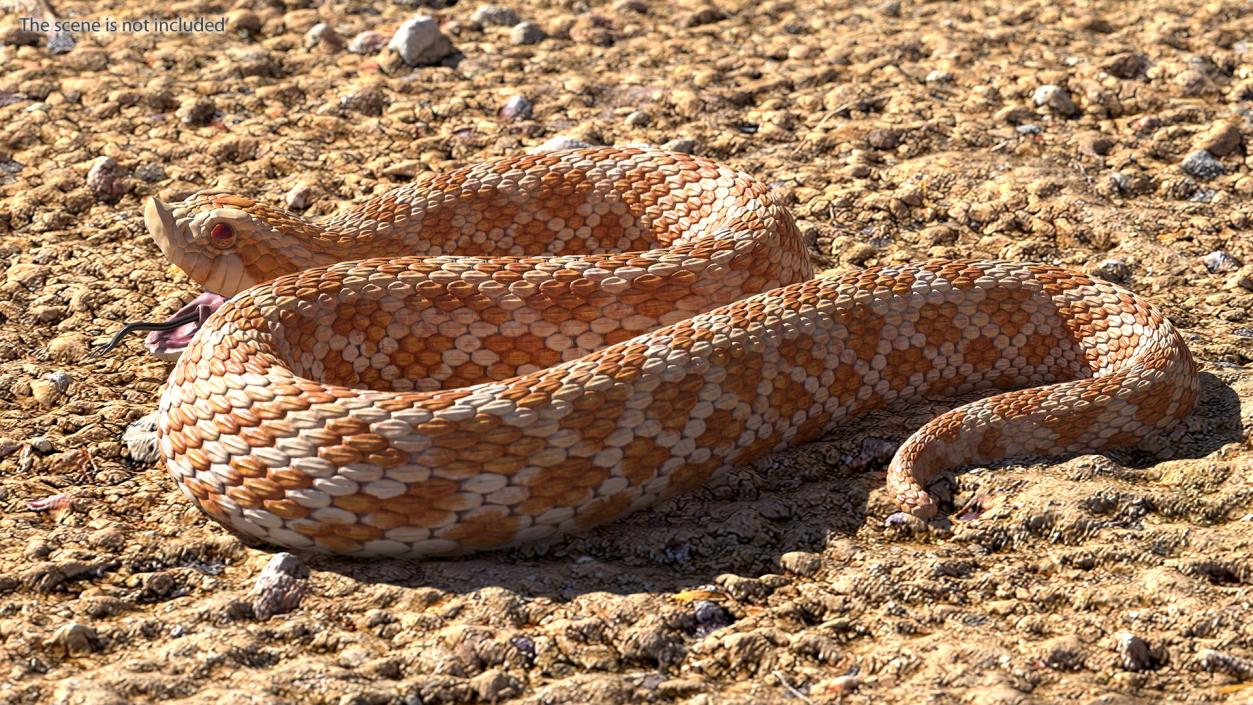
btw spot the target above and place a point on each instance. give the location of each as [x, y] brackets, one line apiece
[542, 343]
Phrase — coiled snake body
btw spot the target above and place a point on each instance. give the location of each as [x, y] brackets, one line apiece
[551, 341]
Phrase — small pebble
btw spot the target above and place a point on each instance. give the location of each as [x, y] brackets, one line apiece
[1013, 115]
[150, 172]
[59, 379]
[1134, 653]
[1146, 124]
[1126, 66]
[801, 563]
[197, 111]
[299, 197]
[367, 101]
[495, 15]
[323, 36]
[494, 686]
[1131, 184]
[1202, 165]
[419, 42]
[110, 538]
[37, 549]
[73, 639]
[104, 180]
[245, 21]
[637, 6]
[518, 107]
[680, 144]
[280, 587]
[938, 76]
[558, 142]
[710, 616]
[1220, 262]
[1220, 140]
[40, 444]
[638, 118]
[1029, 128]
[140, 439]
[46, 393]
[1113, 270]
[68, 347]
[1056, 99]
[886, 138]
[1096, 144]
[1242, 279]
[801, 52]
[526, 33]
[367, 42]
[703, 16]
[1064, 653]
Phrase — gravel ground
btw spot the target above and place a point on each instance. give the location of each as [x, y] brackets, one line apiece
[1110, 137]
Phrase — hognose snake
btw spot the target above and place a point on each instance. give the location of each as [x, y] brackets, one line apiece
[574, 335]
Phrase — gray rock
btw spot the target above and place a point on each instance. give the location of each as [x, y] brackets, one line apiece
[104, 180]
[1221, 262]
[367, 42]
[1134, 653]
[495, 15]
[638, 118]
[280, 587]
[59, 380]
[518, 107]
[197, 111]
[1056, 99]
[299, 197]
[680, 144]
[419, 42]
[323, 36]
[526, 33]
[938, 76]
[150, 172]
[1202, 165]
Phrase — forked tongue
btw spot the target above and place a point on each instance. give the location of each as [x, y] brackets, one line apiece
[168, 338]
[171, 341]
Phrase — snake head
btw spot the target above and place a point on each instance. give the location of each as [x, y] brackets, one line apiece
[222, 241]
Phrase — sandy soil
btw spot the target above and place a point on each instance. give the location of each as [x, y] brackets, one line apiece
[896, 131]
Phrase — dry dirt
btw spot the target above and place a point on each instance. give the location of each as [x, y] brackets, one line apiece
[896, 131]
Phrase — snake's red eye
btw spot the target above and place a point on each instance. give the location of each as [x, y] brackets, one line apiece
[222, 236]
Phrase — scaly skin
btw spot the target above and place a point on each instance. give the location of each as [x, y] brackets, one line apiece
[577, 335]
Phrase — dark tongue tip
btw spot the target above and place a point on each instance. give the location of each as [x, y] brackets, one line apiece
[167, 344]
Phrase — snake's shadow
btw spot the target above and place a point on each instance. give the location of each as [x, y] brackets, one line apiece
[805, 499]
